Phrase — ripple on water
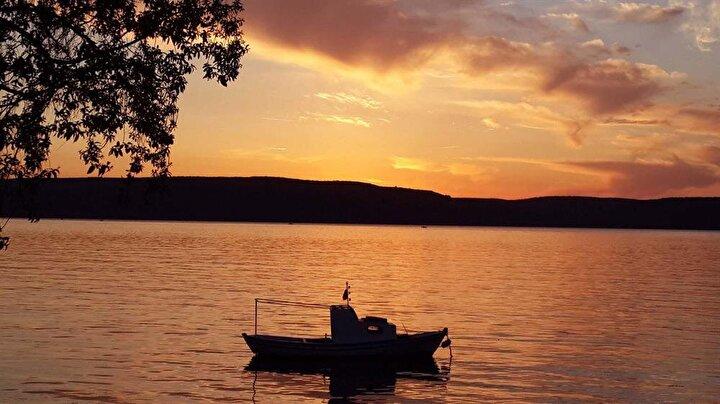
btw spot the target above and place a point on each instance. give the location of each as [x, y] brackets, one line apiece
[115, 312]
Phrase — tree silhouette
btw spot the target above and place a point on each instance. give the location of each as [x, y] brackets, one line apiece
[107, 73]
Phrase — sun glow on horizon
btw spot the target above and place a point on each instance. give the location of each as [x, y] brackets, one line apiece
[563, 98]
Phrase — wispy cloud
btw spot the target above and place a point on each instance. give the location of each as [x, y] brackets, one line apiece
[347, 120]
[457, 168]
[350, 99]
[278, 119]
[408, 163]
[527, 115]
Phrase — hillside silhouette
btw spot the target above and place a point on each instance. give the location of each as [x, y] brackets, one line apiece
[269, 199]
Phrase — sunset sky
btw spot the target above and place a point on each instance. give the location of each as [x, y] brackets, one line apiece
[503, 98]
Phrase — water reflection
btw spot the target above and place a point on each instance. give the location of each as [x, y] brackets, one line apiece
[357, 377]
[539, 315]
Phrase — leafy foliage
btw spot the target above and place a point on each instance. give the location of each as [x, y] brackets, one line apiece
[107, 73]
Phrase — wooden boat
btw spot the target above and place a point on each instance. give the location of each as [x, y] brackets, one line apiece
[351, 337]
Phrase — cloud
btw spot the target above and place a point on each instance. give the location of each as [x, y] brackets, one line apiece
[371, 33]
[381, 38]
[344, 98]
[690, 119]
[703, 24]
[630, 12]
[529, 116]
[407, 163]
[657, 147]
[646, 13]
[490, 53]
[637, 178]
[699, 119]
[597, 46]
[454, 178]
[649, 179]
[347, 120]
[574, 19]
[646, 145]
[490, 123]
[452, 168]
[580, 25]
[710, 154]
[604, 86]
[610, 85]
[574, 132]
[635, 121]
[386, 37]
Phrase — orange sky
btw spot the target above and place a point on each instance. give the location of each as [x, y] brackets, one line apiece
[469, 98]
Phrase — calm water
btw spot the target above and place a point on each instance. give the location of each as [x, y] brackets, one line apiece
[127, 311]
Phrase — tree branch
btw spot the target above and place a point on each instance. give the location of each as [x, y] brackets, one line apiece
[10, 90]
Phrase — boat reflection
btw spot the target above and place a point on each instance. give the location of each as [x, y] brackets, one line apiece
[356, 377]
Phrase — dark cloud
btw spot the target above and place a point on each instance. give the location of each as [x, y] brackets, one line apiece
[620, 49]
[710, 154]
[373, 33]
[641, 179]
[580, 25]
[607, 86]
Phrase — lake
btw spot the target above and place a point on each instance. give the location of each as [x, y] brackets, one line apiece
[153, 311]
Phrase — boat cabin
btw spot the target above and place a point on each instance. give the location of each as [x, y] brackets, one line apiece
[346, 327]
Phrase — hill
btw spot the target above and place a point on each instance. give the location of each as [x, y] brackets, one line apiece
[269, 199]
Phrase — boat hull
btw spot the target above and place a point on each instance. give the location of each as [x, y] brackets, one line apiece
[412, 345]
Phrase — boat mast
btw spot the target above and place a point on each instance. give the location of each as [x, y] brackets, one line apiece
[256, 304]
[346, 293]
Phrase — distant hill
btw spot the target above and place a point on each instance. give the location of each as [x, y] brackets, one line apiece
[269, 199]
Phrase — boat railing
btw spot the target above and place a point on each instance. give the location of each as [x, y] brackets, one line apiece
[285, 303]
